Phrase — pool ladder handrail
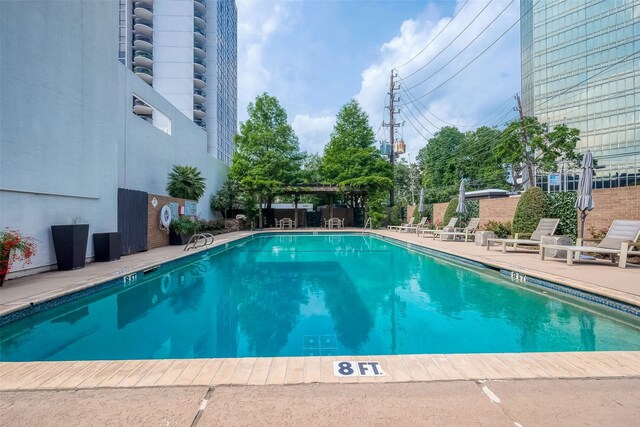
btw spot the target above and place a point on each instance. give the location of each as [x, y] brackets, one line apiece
[368, 222]
[196, 241]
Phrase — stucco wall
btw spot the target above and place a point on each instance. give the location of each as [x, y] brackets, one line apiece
[68, 136]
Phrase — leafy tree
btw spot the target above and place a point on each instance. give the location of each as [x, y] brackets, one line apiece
[186, 182]
[407, 182]
[267, 155]
[227, 198]
[437, 159]
[479, 161]
[310, 173]
[537, 146]
[352, 159]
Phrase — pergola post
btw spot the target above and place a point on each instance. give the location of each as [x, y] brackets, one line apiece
[295, 210]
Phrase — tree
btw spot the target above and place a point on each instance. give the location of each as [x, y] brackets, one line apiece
[267, 155]
[351, 157]
[438, 158]
[479, 161]
[227, 198]
[310, 173]
[536, 146]
[186, 182]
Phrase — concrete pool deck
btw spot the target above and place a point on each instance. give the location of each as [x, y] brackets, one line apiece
[604, 279]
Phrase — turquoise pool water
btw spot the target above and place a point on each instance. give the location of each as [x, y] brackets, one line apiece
[294, 295]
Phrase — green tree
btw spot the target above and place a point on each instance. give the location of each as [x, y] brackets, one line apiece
[351, 158]
[478, 159]
[537, 146]
[267, 155]
[226, 198]
[185, 182]
[310, 173]
[438, 161]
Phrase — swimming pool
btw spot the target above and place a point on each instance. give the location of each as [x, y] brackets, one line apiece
[323, 294]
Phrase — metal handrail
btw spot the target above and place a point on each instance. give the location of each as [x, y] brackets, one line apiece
[368, 222]
[199, 240]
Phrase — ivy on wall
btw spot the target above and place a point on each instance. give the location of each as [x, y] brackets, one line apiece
[563, 207]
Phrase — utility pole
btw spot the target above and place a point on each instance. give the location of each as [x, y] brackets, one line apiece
[527, 154]
[392, 125]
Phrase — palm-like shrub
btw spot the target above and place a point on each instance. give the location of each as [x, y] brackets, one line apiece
[186, 182]
[532, 207]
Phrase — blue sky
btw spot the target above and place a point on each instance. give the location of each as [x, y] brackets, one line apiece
[317, 55]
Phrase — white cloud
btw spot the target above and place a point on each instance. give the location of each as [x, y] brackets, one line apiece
[258, 21]
[469, 96]
[313, 132]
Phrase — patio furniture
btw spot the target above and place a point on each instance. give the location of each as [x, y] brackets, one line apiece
[452, 223]
[546, 227]
[482, 236]
[398, 227]
[621, 236]
[556, 241]
[465, 232]
[418, 226]
[336, 223]
[286, 223]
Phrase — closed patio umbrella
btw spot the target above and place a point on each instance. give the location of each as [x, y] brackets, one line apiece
[421, 206]
[462, 206]
[584, 202]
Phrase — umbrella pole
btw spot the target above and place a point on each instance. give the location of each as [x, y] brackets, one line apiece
[583, 216]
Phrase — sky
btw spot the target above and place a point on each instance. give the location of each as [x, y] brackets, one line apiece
[317, 55]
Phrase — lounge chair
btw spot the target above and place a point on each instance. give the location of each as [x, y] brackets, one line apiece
[466, 232]
[418, 226]
[546, 227]
[621, 235]
[398, 227]
[452, 223]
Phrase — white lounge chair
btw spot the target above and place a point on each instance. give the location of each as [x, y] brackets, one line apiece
[546, 227]
[418, 226]
[622, 235]
[398, 227]
[452, 223]
[466, 232]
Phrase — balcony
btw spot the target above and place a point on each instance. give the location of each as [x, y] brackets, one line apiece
[199, 96]
[199, 52]
[199, 6]
[199, 36]
[142, 59]
[199, 23]
[199, 66]
[144, 73]
[144, 3]
[199, 81]
[143, 13]
[142, 42]
[141, 108]
[141, 26]
[200, 123]
[199, 111]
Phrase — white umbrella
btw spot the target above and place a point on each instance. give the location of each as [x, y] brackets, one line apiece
[584, 202]
[462, 206]
[421, 206]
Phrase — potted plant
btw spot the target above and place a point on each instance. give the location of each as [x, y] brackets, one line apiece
[70, 244]
[14, 247]
[181, 230]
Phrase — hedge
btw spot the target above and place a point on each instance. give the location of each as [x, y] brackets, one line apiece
[531, 208]
[563, 207]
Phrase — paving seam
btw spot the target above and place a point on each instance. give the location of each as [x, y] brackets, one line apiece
[203, 406]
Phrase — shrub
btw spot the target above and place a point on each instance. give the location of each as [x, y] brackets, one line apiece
[450, 211]
[427, 212]
[14, 247]
[185, 182]
[184, 226]
[216, 224]
[226, 198]
[597, 233]
[563, 207]
[395, 216]
[501, 229]
[531, 208]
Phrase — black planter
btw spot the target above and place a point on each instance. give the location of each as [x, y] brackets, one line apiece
[70, 243]
[107, 246]
[176, 240]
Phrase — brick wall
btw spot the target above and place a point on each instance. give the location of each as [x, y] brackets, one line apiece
[611, 204]
[157, 238]
[438, 211]
[501, 209]
[410, 210]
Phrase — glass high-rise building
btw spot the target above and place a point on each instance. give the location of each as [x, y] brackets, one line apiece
[581, 67]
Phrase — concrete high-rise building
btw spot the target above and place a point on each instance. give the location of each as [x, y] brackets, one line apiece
[581, 66]
[187, 50]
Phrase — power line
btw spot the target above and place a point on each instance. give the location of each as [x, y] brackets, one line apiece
[464, 48]
[436, 36]
[451, 42]
[479, 55]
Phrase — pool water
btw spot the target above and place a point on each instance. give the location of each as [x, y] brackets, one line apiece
[303, 295]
